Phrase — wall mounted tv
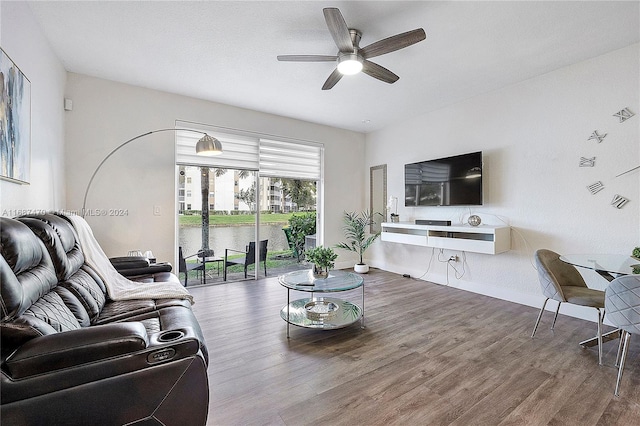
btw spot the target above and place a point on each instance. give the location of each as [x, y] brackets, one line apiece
[451, 181]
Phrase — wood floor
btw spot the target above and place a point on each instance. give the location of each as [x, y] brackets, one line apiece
[429, 355]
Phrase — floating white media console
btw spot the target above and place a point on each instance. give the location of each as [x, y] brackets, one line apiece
[486, 239]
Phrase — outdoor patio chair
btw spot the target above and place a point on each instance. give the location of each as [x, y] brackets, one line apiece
[249, 257]
[184, 267]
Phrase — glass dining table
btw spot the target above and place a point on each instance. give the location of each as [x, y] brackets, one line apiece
[608, 266]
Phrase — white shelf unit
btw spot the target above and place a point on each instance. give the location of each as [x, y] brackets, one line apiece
[486, 239]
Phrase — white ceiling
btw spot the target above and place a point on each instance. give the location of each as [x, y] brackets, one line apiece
[226, 51]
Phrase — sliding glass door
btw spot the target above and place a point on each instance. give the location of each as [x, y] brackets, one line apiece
[256, 204]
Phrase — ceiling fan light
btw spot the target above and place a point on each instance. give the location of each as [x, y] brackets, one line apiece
[349, 64]
[208, 146]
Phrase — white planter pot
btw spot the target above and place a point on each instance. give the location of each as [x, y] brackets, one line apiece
[361, 269]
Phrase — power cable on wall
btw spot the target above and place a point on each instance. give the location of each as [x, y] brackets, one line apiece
[429, 264]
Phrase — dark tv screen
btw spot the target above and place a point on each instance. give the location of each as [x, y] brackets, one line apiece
[451, 181]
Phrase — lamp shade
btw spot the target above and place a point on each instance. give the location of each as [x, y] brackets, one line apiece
[208, 146]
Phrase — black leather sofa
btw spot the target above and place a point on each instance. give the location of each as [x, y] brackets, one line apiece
[71, 356]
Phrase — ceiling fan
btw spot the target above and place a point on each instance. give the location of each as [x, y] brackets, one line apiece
[351, 58]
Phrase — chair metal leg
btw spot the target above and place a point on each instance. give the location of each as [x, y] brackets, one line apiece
[600, 318]
[539, 317]
[620, 344]
[553, 324]
[625, 349]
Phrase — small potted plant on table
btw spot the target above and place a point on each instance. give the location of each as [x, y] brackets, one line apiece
[322, 259]
[355, 231]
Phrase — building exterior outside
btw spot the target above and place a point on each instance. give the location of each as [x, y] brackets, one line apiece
[225, 189]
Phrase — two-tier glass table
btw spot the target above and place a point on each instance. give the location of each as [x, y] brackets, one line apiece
[320, 312]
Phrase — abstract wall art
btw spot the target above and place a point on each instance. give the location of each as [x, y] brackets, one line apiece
[15, 122]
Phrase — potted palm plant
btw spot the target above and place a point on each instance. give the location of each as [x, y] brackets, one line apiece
[355, 231]
[322, 259]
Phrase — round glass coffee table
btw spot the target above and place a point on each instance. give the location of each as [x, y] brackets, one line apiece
[320, 312]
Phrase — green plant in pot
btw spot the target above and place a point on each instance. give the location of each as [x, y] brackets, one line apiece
[322, 259]
[355, 231]
[636, 253]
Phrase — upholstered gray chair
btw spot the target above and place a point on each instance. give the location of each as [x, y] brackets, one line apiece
[622, 303]
[563, 283]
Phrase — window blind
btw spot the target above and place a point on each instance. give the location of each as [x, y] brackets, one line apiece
[290, 160]
[239, 151]
[249, 151]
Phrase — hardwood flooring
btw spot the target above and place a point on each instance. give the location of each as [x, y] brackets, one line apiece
[429, 355]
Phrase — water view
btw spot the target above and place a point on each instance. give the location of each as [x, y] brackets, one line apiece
[232, 237]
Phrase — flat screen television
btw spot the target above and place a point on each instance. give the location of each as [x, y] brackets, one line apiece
[450, 181]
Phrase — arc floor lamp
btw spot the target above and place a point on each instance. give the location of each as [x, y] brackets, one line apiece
[206, 146]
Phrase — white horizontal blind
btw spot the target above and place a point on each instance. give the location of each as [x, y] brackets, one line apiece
[290, 160]
[250, 151]
[239, 151]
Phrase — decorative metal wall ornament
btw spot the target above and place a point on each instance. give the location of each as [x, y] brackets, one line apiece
[619, 201]
[624, 114]
[587, 162]
[597, 137]
[595, 187]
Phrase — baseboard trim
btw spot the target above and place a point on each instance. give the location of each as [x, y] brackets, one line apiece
[509, 295]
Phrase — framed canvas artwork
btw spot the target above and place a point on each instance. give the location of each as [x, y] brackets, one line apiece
[15, 122]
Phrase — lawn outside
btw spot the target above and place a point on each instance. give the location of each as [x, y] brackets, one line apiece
[277, 261]
[282, 261]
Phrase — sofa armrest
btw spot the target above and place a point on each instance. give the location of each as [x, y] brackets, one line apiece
[156, 268]
[71, 348]
[129, 262]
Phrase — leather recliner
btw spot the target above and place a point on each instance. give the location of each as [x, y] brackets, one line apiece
[69, 355]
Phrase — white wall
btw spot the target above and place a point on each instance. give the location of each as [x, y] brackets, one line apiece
[142, 175]
[22, 40]
[532, 135]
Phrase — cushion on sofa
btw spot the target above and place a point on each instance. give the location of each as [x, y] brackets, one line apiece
[32, 304]
[88, 289]
[59, 240]
[26, 271]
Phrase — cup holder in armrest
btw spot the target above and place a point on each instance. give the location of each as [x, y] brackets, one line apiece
[170, 336]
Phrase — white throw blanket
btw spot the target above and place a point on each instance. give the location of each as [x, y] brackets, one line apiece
[118, 286]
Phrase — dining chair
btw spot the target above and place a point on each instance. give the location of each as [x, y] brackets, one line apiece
[622, 303]
[563, 283]
[249, 257]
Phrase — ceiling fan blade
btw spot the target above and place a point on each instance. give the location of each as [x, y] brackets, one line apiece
[393, 43]
[332, 80]
[307, 58]
[379, 72]
[338, 29]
